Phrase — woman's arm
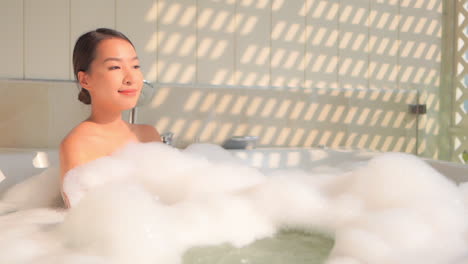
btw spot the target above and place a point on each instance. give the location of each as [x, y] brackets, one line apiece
[72, 154]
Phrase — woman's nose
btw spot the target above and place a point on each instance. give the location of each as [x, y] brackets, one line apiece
[129, 78]
[127, 82]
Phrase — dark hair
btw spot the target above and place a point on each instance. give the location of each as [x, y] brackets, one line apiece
[85, 52]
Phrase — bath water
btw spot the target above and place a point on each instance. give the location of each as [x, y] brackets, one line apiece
[288, 246]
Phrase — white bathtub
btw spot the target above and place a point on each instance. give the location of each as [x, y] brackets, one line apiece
[19, 164]
[317, 158]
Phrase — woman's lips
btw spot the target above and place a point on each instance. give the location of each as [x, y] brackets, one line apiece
[129, 92]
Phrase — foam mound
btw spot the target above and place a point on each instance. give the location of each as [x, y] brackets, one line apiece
[150, 203]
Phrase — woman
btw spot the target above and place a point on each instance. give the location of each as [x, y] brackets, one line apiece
[106, 67]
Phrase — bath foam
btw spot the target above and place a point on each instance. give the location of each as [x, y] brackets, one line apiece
[23, 235]
[409, 214]
[169, 173]
[120, 222]
[149, 203]
[41, 190]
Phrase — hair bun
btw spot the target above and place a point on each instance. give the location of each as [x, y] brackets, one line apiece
[84, 96]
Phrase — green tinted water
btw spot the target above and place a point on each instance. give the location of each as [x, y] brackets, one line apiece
[287, 247]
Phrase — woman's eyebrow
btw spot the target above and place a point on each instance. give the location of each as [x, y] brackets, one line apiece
[112, 59]
[119, 59]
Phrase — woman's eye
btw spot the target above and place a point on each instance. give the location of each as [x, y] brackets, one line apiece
[114, 68]
[136, 67]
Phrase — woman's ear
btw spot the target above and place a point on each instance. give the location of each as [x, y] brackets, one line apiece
[83, 79]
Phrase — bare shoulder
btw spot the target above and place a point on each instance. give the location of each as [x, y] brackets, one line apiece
[146, 133]
[75, 147]
[79, 135]
[73, 137]
[69, 152]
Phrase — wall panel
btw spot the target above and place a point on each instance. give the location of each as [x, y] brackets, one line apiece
[177, 41]
[321, 59]
[216, 27]
[288, 43]
[137, 20]
[384, 20]
[86, 15]
[353, 44]
[47, 48]
[11, 30]
[253, 43]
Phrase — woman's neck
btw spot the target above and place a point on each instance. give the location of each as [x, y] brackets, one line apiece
[106, 118]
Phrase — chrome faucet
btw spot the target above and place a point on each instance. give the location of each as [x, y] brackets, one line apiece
[167, 138]
[241, 142]
[146, 95]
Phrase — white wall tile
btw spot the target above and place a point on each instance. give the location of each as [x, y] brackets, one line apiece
[137, 20]
[384, 42]
[177, 41]
[47, 48]
[88, 15]
[353, 44]
[216, 42]
[65, 111]
[23, 114]
[420, 44]
[321, 59]
[11, 30]
[288, 43]
[253, 43]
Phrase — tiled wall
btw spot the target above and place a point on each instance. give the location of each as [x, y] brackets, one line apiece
[300, 43]
[38, 114]
[244, 49]
[286, 118]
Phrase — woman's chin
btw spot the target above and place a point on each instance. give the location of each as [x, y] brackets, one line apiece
[128, 105]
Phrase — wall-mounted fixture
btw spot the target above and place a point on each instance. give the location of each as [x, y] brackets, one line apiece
[240, 142]
[167, 138]
[418, 109]
[146, 95]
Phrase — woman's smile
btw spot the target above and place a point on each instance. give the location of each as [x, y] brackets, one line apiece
[128, 92]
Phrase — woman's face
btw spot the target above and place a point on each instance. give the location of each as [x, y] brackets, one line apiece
[114, 79]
